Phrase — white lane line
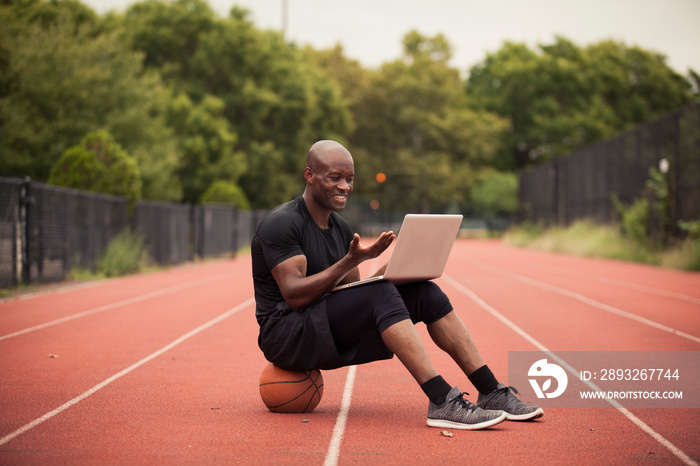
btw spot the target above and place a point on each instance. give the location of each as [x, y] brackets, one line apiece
[106, 307]
[615, 282]
[58, 289]
[677, 452]
[118, 375]
[583, 299]
[339, 429]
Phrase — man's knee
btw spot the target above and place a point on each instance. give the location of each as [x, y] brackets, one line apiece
[388, 306]
[426, 302]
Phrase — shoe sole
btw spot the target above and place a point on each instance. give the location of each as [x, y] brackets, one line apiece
[458, 425]
[536, 414]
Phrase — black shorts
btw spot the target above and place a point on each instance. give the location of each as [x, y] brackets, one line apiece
[378, 306]
[344, 328]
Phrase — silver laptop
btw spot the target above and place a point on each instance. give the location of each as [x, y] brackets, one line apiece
[421, 250]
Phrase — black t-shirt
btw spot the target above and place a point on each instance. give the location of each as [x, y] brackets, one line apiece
[288, 231]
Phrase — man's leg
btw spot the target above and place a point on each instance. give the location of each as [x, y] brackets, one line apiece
[380, 306]
[351, 313]
[427, 303]
[453, 411]
[451, 335]
[403, 340]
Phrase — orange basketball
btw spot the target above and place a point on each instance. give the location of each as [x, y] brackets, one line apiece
[290, 391]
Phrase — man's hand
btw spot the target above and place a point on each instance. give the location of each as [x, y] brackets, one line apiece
[361, 253]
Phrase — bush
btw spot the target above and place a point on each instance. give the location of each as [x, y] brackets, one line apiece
[124, 255]
[98, 164]
[226, 192]
[634, 219]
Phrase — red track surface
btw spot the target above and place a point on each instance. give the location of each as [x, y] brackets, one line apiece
[139, 371]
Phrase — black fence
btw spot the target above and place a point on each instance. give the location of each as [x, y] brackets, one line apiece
[10, 231]
[47, 231]
[580, 185]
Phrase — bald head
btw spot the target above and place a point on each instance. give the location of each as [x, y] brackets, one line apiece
[323, 152]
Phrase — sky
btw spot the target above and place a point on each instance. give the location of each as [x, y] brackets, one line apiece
[371, 31]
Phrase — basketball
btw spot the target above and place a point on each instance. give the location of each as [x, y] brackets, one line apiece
[290, 391]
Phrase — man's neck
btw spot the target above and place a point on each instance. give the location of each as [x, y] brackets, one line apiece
[320, 215]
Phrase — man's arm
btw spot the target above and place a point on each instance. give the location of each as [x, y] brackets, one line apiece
[299, 290]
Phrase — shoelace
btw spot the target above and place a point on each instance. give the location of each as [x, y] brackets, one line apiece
[465, 403]
[510, 389]
[511, 399]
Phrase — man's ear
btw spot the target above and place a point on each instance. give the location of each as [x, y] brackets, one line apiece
[308, 174]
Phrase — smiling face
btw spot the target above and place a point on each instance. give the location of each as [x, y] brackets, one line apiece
[330, 174]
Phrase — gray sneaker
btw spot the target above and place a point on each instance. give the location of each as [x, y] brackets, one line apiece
[458, 413]
[503, 399]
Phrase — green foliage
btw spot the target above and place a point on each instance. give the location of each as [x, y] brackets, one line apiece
[62, 77]
[196, 98]
[653, 207]
[684, 255]
[413, 123]
[584, 238]
[523, 234]
[227, 193]
[207, 142]
[657, 184]
[563, 97]
[237, 89]
[125, 254]
[265, 182]
[98, 164]
[495, 193]
[634, 219]
[691, 228]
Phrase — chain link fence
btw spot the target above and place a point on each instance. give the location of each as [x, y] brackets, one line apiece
[67, 229]
[580, 186]
[165, 228]
[47, 232]
[214, 230]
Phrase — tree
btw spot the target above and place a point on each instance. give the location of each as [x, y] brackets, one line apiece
[562, 97]
[265, 184]
[169, 35]
[352, 79]
[98, 164]
[636, 83]
[414, 125]
[207, 142]
[62, 80]
[274, 102]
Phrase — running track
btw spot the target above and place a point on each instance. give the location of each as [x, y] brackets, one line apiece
[163, 368]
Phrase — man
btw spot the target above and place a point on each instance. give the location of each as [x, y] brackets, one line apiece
[303, 249]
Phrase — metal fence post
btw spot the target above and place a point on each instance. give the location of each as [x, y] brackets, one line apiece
[235, 231]
[25, 201]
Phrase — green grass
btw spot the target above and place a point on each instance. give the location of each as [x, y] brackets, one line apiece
[124, 255]
[585, 238]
